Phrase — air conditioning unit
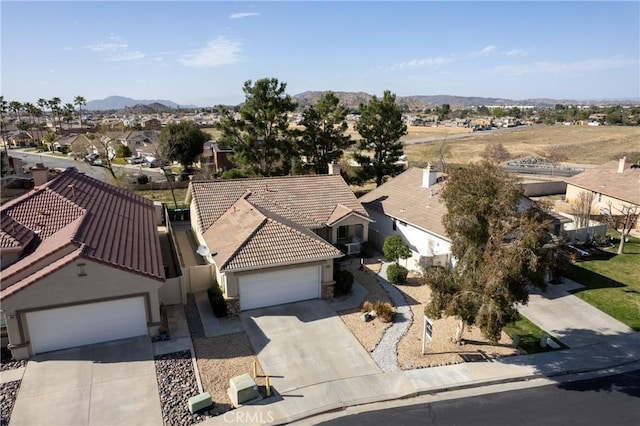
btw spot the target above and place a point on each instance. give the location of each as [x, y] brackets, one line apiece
[243, 389]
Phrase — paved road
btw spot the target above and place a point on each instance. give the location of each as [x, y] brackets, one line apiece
[612, 400]
[31, 158]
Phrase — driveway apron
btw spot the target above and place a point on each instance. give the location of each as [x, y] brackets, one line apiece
[305, 343]
[104, 384]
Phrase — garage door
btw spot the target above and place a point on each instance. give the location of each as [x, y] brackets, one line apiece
[275, 288]
[60, 328]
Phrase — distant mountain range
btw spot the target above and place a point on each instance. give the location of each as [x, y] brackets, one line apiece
[353, 99]
[121, 102]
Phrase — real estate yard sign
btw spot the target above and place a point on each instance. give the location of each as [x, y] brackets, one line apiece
[427, 332]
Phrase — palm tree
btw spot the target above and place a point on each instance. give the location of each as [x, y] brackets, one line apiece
[4, 107]
[67, 113]
[54, 105]
[80, 102]
[16, 107]
[31, 111]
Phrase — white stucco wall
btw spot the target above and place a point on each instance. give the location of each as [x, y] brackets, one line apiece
[421, 242]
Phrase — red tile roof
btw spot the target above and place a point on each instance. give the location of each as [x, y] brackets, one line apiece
[115, 226]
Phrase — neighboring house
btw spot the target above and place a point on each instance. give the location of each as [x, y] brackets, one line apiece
[615, 184]
[410, 205]
[81, 264]
[151, 124]
[271, 240]
[79, 145]
[216, 157]
[21, 139]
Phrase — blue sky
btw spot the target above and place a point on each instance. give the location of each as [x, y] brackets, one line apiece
[201, 53]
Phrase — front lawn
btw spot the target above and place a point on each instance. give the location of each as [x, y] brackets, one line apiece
[529, 335]
[612, 282]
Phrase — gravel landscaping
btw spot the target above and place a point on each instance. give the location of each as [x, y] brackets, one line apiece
[221, 358]
[8, 363]
[8, 394]
[442, 351]
[176, 384]
[367, 333]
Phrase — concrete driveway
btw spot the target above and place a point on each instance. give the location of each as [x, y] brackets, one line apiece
[111, 383]
[305, 343]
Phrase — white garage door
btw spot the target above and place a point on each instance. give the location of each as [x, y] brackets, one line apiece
[275, 288]
[60, 328]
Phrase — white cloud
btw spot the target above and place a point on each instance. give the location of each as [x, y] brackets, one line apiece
[107, 47]
[485, 51]
[116, 50]
[567, 67]
[241, 15]
[423, 63]
[218, 52]
[515, 52]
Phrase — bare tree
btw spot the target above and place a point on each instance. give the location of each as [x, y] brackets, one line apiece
[582, 207]
[495, 152]
[442, 151]
[622, 220]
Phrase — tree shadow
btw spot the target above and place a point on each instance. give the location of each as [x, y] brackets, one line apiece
[591, 280]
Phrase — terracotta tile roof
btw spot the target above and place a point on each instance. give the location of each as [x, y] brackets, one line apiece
[606, 180]
[251, 223]
[115, 227]
[13, 233]
[306, 200]
[404, 198]
[247, 236]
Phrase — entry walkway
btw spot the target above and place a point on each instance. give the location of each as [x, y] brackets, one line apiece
[568, 318]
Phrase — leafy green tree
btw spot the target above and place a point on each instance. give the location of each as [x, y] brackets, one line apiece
[261, 138]
[499, 248]
[395, 248]
[323, 138]
[182, 142]
[498, 112]
[380, 125]
[443, 111]
[123, 151]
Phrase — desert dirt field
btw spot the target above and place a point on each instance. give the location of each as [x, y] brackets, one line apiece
[577, 144]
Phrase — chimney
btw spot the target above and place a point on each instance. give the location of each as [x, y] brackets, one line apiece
[40, 174]
[334, 168]
[429, 176]
[621, 164]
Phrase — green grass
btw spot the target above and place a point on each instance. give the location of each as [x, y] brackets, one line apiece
[612, 282]
[119, 161]
[529, 333]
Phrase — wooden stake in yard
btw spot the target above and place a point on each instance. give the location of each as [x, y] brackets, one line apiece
[255, 369]
[267, 386]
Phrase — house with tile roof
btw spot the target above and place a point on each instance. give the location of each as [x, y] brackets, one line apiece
[81, 263]
[410, 205]
[271, 240]
[614, 184]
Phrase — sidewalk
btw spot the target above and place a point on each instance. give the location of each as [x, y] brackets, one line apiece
[568, 318]
[322, 397]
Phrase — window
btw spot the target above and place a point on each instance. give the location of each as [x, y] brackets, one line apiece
[342, 233]
[393, 224]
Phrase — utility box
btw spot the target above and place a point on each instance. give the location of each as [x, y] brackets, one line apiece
[199, 402]
[243, 389]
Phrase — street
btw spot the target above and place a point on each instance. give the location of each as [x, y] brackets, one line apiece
[611, 400]
[29, 159]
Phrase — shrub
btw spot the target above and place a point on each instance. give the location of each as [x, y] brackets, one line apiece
[233, 174]
[344, 282]
[397, 274]
[142, 179]
[218, 304]
[395, 248]
[366, 306]
[123, 151]
[384, 311]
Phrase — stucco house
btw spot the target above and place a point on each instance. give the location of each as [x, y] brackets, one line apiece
[81, 264]
[271, 240]
[614, 184]
[410, 205]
